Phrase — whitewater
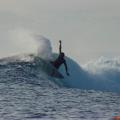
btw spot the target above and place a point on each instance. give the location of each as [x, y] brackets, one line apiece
[28, 92]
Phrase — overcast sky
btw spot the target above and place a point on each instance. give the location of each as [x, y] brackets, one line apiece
[88, 28]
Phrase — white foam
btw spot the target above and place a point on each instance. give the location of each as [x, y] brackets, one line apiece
[102, 65]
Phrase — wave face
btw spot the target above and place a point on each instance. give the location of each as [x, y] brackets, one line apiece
[103, 75]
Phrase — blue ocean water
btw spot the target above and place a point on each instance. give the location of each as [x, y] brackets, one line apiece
[27, 92]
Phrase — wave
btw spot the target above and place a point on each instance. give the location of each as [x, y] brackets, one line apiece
[103, 75]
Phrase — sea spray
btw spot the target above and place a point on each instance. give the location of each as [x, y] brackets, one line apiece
[44, 47]
[26, 41]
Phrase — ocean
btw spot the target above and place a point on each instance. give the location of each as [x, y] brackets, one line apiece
[27, 92]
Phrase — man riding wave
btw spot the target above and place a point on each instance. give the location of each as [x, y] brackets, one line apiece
[60, 60]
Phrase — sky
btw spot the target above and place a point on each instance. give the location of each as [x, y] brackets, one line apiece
[88, 29]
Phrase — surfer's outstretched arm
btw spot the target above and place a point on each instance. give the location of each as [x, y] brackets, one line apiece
[60, 47]
[66, 68]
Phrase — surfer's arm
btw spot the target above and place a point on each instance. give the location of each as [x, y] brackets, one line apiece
[66, 68]
[60, 47]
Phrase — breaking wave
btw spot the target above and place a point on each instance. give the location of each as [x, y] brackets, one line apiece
[103, 75]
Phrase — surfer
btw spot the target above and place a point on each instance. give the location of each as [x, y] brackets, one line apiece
[60, 60]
